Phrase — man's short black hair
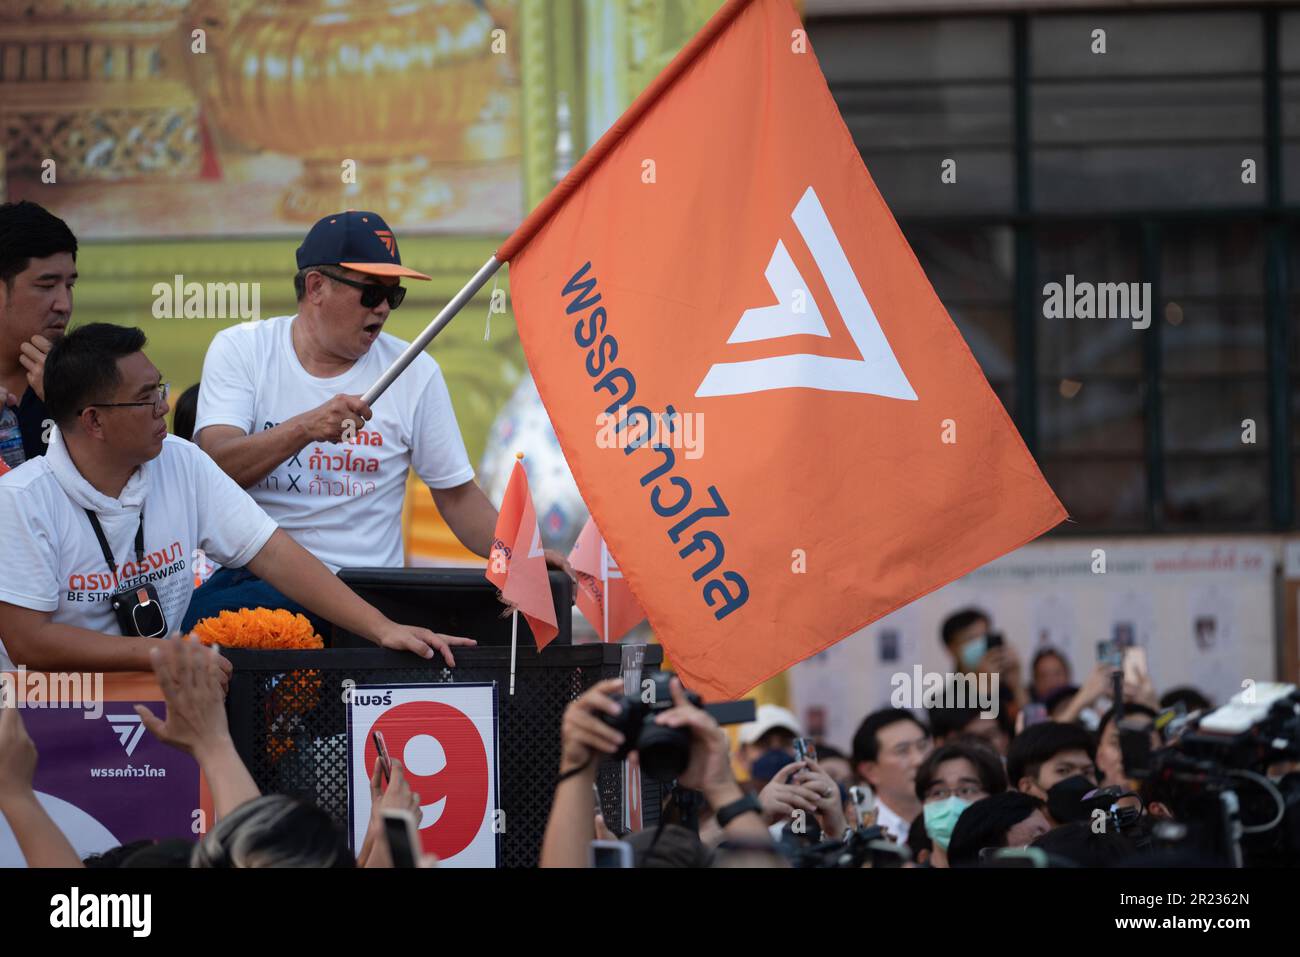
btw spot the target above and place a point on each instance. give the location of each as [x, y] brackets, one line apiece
[1130, 708]
[184, 412]
[116, 856]
[988, 766]
[1076, 843]
[81, 367]
[985, 824]
[960, 621]
[1039, 743]
[950, 721]
[1192, 699]
[29, 231]
[300, 281]
[1047, 652]
[671, 846]
[825, 752]
[866, 744]
[1059, 697]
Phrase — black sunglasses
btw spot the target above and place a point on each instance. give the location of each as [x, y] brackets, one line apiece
[372, 293]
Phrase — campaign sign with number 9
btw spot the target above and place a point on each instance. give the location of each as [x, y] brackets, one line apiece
[445, 738]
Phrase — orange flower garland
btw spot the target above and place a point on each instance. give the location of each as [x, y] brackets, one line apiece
[296, 692]
[258, 628]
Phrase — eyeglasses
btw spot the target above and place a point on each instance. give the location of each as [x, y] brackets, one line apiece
[920, 745]
[967, 792]
[163, 390]
[372, 293]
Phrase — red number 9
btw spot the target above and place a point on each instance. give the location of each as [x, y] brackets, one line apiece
[462, 782]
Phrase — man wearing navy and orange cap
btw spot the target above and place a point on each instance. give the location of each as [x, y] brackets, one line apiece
[280, 411]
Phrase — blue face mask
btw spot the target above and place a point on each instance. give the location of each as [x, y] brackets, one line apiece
[973, 651]
[941, 818]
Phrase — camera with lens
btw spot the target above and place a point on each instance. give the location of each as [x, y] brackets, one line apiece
[1214, 774]
[664, 752]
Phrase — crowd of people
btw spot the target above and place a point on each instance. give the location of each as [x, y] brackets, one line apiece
[915, 790]
[1043, 783]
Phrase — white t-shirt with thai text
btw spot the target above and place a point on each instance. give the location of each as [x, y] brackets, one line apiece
[342, 501]
[56, 563]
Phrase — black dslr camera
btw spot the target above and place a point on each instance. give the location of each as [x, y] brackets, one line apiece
[665, 752]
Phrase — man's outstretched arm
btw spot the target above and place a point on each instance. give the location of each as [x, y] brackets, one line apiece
[471, 516]
[293, 570]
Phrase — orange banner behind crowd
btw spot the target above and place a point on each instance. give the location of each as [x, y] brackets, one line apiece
[722, 258]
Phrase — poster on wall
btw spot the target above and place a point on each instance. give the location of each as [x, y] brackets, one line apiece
[1054, 625]
[1210, 638]
[445, 736]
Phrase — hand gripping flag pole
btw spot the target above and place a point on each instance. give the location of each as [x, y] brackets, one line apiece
[440, 321]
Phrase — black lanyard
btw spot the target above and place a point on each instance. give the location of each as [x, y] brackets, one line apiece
[103, 542]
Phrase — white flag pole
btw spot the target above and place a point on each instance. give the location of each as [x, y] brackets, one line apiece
[421, 341]
[514, 646]
[604, 578]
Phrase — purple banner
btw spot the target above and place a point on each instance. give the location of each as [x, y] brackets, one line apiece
[106, 780]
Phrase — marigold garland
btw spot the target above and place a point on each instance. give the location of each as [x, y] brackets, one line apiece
[258, 628]
[294, 693]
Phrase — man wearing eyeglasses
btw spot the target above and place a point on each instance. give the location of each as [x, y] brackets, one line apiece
[102, 531]
[280, 411]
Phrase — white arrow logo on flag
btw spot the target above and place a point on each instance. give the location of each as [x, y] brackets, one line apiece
[876, 373]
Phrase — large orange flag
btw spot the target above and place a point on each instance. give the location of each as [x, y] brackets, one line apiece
[517, 563]
[721, 257]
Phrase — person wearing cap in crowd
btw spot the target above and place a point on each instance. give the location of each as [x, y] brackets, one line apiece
[773, 729]
[280, 411]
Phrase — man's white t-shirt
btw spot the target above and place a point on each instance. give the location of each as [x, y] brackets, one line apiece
[57, 565]
[342, 501]
[890, 820]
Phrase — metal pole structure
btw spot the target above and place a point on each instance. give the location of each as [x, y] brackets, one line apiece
[458, 302]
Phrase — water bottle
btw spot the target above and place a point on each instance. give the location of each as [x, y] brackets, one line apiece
[11, 439]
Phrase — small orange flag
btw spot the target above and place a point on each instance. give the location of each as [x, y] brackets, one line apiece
[603, 595]
[517, 564]
[721, 256]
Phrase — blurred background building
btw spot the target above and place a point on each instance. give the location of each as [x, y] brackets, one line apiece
[1171, 159]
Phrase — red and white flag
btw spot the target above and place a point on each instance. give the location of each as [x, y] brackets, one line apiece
[517, 563]
[604, 597]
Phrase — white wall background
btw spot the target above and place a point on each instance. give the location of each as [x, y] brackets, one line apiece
[1048, 594]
